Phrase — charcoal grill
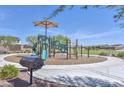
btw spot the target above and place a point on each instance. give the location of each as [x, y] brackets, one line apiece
[32, 63]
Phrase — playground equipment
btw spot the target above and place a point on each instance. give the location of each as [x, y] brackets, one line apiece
[43, 40]
[49, 47]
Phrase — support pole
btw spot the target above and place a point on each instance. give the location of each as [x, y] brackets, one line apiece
[46, 39]
[39, 47]
[81, 51]
[31, 74]
[46, 29]
[70, 49]
[88, 52]
[54, 51]
[49, 47]
[67, 43]
[77, 49]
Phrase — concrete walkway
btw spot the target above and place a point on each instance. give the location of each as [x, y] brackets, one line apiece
[4, 62]
[104, 73]
[111, 70]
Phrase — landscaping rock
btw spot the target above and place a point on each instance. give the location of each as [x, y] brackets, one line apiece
[4, 83]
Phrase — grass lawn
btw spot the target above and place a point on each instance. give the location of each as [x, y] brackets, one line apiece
[97, 52]
[103, 52]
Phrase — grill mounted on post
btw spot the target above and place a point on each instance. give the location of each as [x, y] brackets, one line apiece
[32, 63]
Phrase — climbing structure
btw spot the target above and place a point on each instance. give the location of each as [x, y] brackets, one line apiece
[45, 47]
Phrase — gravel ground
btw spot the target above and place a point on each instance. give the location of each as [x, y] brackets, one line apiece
[61, 60]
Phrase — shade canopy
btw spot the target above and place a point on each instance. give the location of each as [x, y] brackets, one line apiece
[45, 24]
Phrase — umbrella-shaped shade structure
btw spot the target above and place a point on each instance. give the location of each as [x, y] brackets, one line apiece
[45, 24]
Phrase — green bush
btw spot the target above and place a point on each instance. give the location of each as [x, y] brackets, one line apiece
[103, 53]
[121, 54]
[114, 55]
[8, 72]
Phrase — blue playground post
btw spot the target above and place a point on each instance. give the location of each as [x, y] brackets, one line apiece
[44, 54]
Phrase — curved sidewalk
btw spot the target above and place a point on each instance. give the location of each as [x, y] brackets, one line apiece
[111, 70]
[4, 62]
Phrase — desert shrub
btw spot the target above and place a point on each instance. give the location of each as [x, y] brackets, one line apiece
[121, 54]
[103, 53]
[8, 72]
[114, 55]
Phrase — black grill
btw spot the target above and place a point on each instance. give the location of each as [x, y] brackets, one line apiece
[32, 62]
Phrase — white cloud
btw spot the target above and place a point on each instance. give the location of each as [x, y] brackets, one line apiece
[80, 35]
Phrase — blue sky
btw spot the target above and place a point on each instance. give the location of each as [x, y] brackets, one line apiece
[91, 27]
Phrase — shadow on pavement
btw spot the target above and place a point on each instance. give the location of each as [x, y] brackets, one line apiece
[85, 82]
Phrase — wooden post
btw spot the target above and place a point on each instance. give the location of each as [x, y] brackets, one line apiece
[77, 49]
[81, 51]
[70, 49]
[67, 41]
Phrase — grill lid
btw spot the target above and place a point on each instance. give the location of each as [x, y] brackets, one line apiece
[32, 62]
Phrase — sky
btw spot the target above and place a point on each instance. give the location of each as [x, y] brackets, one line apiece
[91, 27]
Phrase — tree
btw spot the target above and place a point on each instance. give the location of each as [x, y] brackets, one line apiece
[6, 41]
[118, 17]
[31, 40]
[61, 38]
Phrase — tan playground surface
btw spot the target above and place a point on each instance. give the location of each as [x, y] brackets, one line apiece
[61, 60]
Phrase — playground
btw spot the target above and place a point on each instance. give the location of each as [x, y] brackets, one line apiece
[63, 63]
[55, 52]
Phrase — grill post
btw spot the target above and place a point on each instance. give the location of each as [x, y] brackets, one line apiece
[31, 74]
